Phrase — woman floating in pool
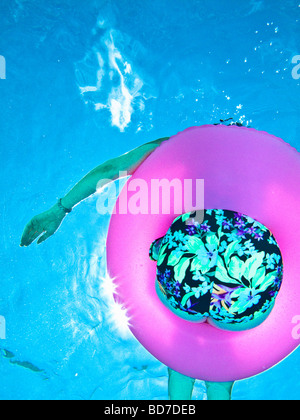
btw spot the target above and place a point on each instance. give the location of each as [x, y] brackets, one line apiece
[202, 290]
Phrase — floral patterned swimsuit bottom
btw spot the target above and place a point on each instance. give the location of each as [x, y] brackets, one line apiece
[218, 266]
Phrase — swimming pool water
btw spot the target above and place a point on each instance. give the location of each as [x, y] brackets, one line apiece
[82, 82]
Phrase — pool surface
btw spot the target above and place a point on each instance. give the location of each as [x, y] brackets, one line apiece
[82, 82]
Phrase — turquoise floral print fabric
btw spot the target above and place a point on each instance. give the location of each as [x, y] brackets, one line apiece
[224, 265]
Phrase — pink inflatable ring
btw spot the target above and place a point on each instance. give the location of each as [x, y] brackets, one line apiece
[244, 170]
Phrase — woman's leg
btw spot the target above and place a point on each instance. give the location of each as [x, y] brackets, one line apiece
[219, 390]
[180, 386]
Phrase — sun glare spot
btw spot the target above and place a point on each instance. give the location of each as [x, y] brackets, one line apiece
[119, 319]
[117, 314]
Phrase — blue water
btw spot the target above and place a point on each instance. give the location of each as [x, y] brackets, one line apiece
[87, 81]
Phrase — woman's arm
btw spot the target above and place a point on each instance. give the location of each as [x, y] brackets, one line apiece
[109, 171]
[48, 222]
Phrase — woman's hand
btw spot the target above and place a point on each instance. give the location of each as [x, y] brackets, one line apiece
[47, 223]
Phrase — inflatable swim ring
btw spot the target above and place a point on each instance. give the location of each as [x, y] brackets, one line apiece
[244, 170]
